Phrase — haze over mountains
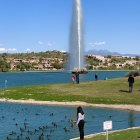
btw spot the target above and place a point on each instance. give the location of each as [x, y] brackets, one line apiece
[107, 52]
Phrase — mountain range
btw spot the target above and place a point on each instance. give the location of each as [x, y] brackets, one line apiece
[107, 52]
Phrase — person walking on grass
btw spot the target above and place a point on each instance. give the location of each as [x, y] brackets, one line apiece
[77, 77]
[80, 121]
[73, 78]
[131, 82]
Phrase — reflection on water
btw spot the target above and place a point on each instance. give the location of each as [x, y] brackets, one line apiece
[131, 120]
[36, 122]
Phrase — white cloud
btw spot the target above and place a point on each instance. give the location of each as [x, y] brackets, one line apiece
[97, 44]
[12, 49]
[8, 50]
[50, 44]
[28, 50]
[40, 43]
[62, 51]
[100, 43]
[2, 49]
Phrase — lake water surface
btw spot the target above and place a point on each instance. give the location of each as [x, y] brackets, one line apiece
[54, 122]
[13, 79]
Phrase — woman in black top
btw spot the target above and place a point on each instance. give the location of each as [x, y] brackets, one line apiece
[80, 122]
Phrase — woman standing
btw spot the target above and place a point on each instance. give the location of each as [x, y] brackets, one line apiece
[80, 121]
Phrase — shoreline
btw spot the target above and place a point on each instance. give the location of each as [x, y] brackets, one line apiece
[74, 103]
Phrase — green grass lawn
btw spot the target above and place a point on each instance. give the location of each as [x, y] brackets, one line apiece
[132, 134]
[112, 91]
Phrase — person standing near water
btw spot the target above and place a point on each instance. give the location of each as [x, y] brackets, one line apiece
[77, 77]
[80, 121]
[5, 83]
[131, 82]
[96, 76]
[73, 78]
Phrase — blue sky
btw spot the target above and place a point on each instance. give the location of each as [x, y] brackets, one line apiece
[41, 25]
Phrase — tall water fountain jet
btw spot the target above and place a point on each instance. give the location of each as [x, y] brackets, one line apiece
[76, 41]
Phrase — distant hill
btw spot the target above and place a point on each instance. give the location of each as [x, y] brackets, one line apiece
[106, 52]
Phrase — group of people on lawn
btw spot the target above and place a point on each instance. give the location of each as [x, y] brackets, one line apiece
[131, 80]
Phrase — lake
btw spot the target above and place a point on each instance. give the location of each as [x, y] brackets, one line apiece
[13, 79]
[54, 122]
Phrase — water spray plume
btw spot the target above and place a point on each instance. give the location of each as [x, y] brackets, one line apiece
[76, 41]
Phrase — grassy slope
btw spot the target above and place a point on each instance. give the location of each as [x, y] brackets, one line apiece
[113, 91]
[132, 134]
